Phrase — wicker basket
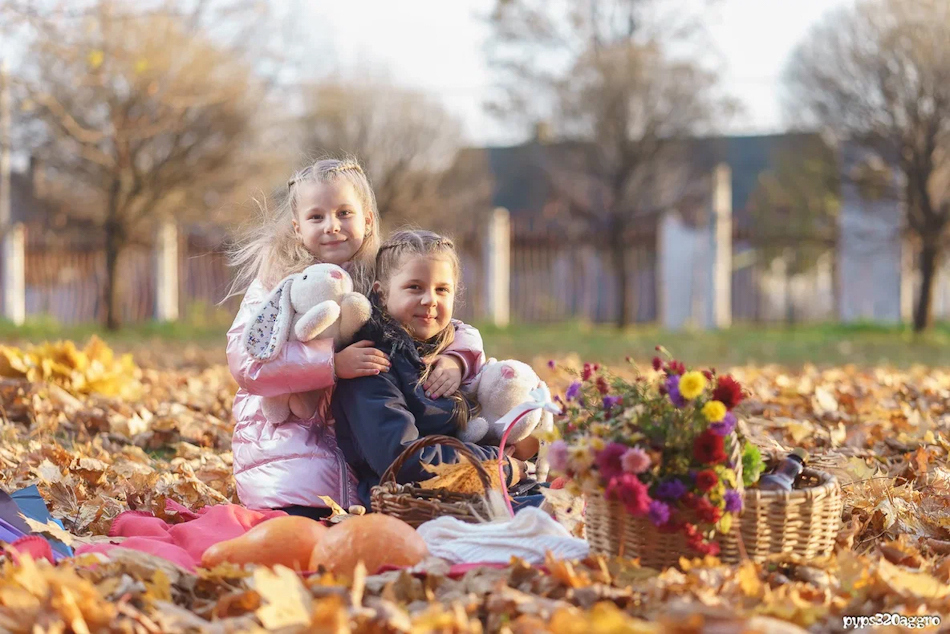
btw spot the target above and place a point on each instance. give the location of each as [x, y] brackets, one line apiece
[804, 521]
[415, 505]
[610, 530]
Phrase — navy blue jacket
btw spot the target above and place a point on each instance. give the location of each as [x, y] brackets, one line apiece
[379, 416]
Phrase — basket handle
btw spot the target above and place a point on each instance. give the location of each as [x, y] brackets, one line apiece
[428, 441]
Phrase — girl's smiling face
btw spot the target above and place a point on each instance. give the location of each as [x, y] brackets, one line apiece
[420, 295]
[330, 220]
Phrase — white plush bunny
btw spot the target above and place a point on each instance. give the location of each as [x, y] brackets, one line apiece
[500, 387]
[319, 302]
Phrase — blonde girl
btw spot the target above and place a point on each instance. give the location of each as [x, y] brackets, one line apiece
[327, 214]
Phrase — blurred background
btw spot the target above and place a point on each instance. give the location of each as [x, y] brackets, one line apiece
[742, 181]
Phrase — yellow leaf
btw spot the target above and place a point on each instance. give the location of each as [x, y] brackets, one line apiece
[51, 528]
[95, 59]
[748, 577]
[287, 601]
[335, 508]
[800, 431]
[160, 587]
[725, 523]
[919, 585]
[461, 477]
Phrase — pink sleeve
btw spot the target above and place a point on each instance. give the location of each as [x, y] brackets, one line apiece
[298, 367]
[468, 348]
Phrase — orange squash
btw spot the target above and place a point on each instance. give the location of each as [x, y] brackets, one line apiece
[375, 539]
[288, 541]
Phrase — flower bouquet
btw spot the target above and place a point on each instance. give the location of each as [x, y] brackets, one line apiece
[657, 459]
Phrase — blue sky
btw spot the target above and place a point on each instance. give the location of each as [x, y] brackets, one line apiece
[437, 45]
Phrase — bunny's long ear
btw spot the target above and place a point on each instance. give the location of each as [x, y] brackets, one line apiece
[269, 329]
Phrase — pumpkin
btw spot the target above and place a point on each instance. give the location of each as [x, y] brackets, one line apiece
[288, 541]
[375, 539]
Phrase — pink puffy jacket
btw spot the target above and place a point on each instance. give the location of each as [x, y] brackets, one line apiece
[297, 461]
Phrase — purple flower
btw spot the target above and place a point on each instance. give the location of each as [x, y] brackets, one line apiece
[673, 388]
[573, 390]
[611, 401]
[725, 426]
[671, 490]
[635, 460]
[609, 461]
[659, 513]
[733, 501]
[551, 364]
[557, 456]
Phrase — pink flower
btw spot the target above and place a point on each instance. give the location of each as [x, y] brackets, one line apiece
[635, 460]
[631, 493]
[557, 456]
[609, 461]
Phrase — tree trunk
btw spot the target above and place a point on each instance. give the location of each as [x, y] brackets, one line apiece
[114, 239]
[923, 317]
[618, 252]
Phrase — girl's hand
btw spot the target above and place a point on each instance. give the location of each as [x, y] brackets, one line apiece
[360, 359]
[524, 449]
[445, 377]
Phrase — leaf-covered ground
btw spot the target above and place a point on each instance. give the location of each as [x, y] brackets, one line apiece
[100, 435]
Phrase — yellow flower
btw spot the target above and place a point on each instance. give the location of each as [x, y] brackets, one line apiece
[692, 385]
[714, 411]
[580, 458]
[597, 444]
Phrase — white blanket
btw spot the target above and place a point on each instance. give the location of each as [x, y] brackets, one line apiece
[528, 535]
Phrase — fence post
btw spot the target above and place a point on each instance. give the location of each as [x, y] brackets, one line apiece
[721, 252]
[497, 258]
[166, 272]
[14, 287]
[14, 235]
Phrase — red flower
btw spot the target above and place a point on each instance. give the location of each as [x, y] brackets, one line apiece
[602, 386]
[704, 548]
[691, 531]
[708, 375]
[707, 512]
[657, 364]
[706, 480]
[728, 391]
[585, 375]
[688, 500]
[630, 492]
[709, 448]
[676, 367]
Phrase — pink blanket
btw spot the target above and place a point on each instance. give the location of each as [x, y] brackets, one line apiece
[184, 543]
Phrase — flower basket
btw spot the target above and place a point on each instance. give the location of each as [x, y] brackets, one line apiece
[803, 522]
[415, 505]
[611, 530]
[658, 460]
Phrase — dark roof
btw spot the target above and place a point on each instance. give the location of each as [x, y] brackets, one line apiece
[521, 185]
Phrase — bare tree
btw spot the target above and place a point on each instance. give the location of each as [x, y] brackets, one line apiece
[615, 90]
[405, 140]
[142, 112]
[879, 74]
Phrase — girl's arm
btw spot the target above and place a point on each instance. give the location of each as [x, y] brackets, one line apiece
[382, 427]
[468, 349]
[299, 367]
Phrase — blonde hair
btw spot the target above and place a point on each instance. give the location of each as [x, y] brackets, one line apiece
[270, 249]
[390, 259]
